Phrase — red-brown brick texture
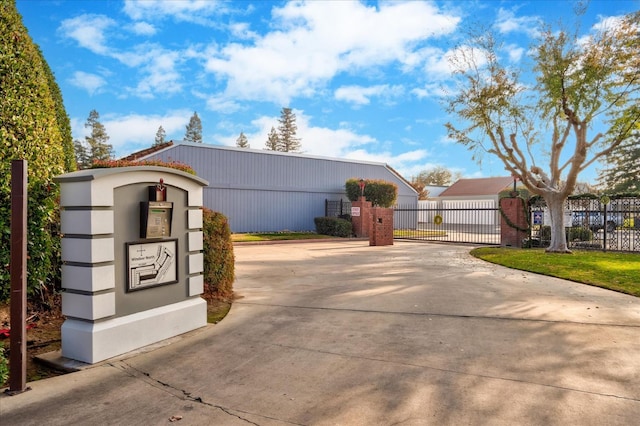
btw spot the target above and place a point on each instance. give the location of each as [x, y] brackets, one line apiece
[382, 227]
[362, 224]
[513, 209]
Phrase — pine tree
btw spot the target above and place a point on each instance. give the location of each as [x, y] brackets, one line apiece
[273, 140]
[99, 149]
[81, 154]
[194, 129]
[622, 173]
[160, 136]
[242, 141]
[287, 131]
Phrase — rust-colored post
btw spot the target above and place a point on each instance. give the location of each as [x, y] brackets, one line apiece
[18, 270]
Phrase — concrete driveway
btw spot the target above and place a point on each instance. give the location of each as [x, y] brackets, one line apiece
[340, 333]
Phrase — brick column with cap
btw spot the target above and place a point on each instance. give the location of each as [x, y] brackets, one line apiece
[361, 217]
[382, 227]
[514, 210]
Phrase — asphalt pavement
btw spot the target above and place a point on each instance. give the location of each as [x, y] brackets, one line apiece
[341, 333]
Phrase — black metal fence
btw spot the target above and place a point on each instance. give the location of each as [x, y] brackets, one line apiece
[455, 221]
[592, 224]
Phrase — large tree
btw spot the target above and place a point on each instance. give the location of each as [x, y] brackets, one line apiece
[98, 140]
[622, 171]
[194, 129]
[583, 105]
[436, 176]
[29, 130]
[287, 130]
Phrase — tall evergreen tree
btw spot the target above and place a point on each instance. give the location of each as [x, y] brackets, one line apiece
[622, 173]
[160, 137]
[28, 130]
[242, 141]
[82, 157]
[194, 129]
[273, 140]
[287, 130]
[99, 148]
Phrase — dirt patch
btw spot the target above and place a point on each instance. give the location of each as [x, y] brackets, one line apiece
[43, 334]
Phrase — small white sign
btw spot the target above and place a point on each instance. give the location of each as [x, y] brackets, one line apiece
[355, 211]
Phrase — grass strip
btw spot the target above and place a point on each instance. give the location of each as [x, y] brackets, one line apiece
[611, 270]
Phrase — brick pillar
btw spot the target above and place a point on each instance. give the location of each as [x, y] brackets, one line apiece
[361, 217]
[513, 209]
[382, 228]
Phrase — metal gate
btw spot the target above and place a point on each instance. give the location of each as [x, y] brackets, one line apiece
[592, 224]
[454, 221]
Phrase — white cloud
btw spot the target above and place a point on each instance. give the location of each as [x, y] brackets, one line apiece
[312, 42]
[221, 104]
[359, 95]
[402, 162]
[160, 73]
[507, 22]
[430, 90]
[315, 140]
[143, 28]
[92, 83]
[89, 31]
[607, 23]
[184, 10]
[129, 133]
[514, 52]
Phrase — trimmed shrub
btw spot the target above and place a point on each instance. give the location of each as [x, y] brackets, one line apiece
[579, 233]
[333, 226]
[107, 164]
[29, 130]
[379, 192]
[545, 233]
[219, 261]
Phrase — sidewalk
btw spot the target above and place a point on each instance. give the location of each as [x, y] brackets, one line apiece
[330, 333]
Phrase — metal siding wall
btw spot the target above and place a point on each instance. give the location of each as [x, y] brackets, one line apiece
[262, 191]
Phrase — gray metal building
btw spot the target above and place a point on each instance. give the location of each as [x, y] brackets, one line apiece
[265, 191]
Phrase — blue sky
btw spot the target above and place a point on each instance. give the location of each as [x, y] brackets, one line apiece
[363, 78]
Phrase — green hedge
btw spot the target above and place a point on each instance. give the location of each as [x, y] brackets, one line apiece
[333, 226]
[219, 261]
[579, 233]
[379, 192]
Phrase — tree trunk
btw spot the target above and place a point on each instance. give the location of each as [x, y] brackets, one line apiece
[558, 234]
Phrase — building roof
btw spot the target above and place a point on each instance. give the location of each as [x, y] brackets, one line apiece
[204, 146]
[145, 152]
[475, 187]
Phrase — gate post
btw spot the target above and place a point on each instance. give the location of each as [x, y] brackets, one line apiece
[361, 217]
[513, 222]
[382, 227]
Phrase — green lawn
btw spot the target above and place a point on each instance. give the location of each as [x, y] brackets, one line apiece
[614, 271]
[275, 236]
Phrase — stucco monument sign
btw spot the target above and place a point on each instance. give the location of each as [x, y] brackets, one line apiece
[132, 259]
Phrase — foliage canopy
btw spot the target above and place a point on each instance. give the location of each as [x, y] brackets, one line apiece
[581, 84]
